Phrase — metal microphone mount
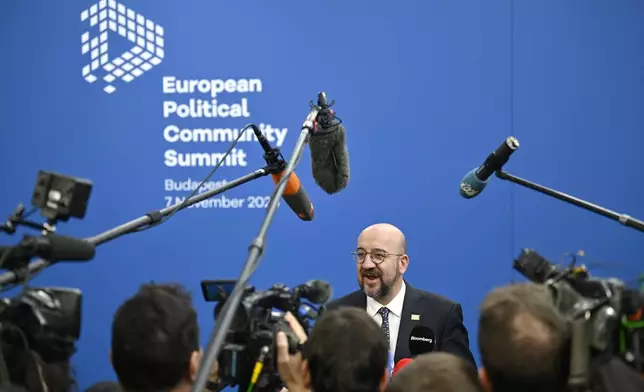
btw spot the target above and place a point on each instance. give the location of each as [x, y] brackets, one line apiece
[327, 121]
[624, 219]
[255, 252]
[17, 218]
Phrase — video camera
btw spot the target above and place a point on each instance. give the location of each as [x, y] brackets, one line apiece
[44, 320]
[606, 316]
[248, 358]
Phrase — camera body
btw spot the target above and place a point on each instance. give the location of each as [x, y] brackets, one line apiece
[49, 318]
[578, 295]
[599, 310]
[46, 320]
[251, 337]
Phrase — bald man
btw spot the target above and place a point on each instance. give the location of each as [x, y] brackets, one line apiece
[381, 260]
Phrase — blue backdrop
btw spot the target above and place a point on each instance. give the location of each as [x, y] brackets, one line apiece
[426, 90]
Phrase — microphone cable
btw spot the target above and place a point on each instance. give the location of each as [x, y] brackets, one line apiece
[257, 369]
[196, 190]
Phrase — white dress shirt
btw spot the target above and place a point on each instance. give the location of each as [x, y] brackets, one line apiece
[395, 314]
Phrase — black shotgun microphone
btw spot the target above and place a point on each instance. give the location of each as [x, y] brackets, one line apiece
[329, 154]
[51, 247]
[55, 247]
[421, 340]
[14, 257]
[294, 195]
[475, 181]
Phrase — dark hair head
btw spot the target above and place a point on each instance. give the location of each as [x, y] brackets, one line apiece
[154, 335]
[436, 371]
[347, 351]
[523, 339]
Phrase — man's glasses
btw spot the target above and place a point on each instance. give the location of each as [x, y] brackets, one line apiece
[377, 256]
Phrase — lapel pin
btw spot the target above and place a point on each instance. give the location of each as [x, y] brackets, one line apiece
[415, 317]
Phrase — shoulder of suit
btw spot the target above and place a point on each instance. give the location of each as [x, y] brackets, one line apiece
[346, 300]
[437, 300]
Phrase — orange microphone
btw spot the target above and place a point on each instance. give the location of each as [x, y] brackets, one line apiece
[401, 364]
[294, 194]
[296, 197]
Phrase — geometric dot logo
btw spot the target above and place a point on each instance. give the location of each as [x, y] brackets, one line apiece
[145, 35]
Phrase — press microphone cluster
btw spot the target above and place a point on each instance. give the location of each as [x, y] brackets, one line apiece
[330, 172]
[331, 178]
[329, 160]
[475, 181]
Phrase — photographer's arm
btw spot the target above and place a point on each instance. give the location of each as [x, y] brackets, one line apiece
[292, 369]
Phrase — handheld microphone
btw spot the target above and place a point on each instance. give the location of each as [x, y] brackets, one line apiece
[329, 153]
[475, 181]
[400, 365]
[421, 340]
[294, 194]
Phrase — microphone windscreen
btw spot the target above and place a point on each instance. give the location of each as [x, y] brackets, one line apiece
[471, 185]
[400, 365]
[421, 340]
[330, 159]
[318, 291]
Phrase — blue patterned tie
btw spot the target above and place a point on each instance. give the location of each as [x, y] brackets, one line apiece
[384, 313]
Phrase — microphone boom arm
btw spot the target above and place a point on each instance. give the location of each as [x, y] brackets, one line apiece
[255, 252]
[146, 220]
[624, 219]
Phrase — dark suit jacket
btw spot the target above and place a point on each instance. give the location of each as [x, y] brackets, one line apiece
[443, 316]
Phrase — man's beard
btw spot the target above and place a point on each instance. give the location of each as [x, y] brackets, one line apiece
[384, 288]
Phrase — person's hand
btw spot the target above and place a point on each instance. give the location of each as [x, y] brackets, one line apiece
[214, 374]
[295, 327]
[291, 368]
